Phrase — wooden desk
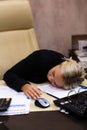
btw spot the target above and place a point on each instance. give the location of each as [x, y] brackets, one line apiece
[46, 120]
[42, 119]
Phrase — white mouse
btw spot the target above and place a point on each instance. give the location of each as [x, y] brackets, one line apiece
[42, 102]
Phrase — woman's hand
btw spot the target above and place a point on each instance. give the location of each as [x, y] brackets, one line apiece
[31, 91]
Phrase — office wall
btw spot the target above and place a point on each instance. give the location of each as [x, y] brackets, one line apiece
[57, 20]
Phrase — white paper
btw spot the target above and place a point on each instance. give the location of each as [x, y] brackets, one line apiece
[20, 104]
[57, 92]
[6, 91]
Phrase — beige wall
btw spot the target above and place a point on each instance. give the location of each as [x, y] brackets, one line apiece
[57, 20]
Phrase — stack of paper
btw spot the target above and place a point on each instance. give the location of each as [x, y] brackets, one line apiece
[20, 104]
[58, 92]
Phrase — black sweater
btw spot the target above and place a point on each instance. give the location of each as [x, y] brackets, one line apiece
[33, 68]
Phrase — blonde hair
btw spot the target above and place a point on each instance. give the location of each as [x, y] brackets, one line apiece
[73, 74]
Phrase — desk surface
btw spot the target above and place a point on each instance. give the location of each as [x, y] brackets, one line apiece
[42, 119]
[46, 120]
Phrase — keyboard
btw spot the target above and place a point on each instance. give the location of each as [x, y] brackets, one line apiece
[75, 104]
[4, 103]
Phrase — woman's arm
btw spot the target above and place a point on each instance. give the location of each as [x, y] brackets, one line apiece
[18, 84]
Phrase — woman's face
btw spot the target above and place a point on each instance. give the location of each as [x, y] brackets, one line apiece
[55, 77]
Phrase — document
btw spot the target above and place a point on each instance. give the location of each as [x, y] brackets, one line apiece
[58, 92]
[20, 104]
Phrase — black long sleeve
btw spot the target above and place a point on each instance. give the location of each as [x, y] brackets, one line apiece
[33, 68]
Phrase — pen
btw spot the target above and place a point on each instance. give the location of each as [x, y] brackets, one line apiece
[52, 95]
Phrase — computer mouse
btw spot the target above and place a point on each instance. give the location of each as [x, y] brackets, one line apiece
[42, 102]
